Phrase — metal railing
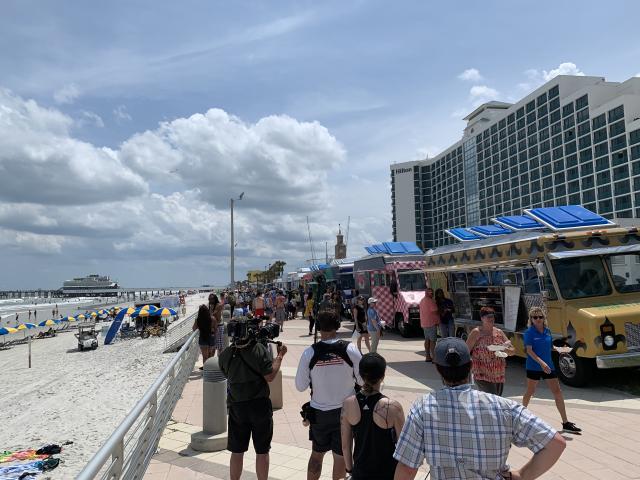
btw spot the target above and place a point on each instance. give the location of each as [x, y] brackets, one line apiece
[128, 451]
[178, 333]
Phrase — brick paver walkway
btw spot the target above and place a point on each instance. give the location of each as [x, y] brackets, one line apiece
[608, 448]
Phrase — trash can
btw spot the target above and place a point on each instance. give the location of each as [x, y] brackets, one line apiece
[213, 436]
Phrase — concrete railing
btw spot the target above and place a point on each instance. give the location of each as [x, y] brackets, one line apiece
[128, 451]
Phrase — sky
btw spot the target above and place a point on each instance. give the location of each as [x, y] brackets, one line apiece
[127, 126]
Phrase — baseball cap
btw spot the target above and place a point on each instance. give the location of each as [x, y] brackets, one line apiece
[372, 300]
[452, 352]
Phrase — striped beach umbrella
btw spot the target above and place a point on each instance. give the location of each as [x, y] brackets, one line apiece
[166, 312]
[48, 323]
[93, 314]
[141, 313]
[80, 317]
[68, 319]
[150, 308]
[7, 330]
[25, 326]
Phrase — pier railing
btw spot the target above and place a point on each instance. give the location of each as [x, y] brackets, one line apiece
[128, 451]
[178, 333]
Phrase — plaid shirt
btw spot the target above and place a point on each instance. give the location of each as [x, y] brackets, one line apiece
[463, 433]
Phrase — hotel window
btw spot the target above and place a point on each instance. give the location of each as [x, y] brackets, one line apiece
[572, 173]
[572, 160]
[574, 198]
[584, 142]
[494, 128]
[511, 118]
[561, 190]
[574, 187]
[618, 143]
[559, 178]
[502, 123]
[520, 112]
[542, 111]
[599, 135]
[588, 196]
[531, 106]
[621, 172]
[556, 129]
[555, 117]
[511, 128]
[570, 148]
[624, 202]
[621, 188]
[634, 137]
[535, 199]
[619, 158]
[604, 191]
[586, 155]
[582, 115]
[520, 123]
[602, 163]
[567, 110]
[543, 134]
[531, 118]
[601, 149]
[569, 122]
[584, 128]
[603, 177]
[599, 121]
[557, 153]
[554, 92]
[616, 128]
[548, 194]
[543, 122]
[635, 152]
[582, 102]
[616, 114]
[605, 206]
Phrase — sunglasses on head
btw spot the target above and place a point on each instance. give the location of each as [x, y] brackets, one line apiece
[536, 317]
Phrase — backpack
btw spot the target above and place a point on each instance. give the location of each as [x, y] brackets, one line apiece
[323, 351]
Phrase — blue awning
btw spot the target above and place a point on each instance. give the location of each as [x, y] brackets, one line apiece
[568, 217]
[411, 247]
[394, 248]
[489, 230]
[518, 222]
[463, 234]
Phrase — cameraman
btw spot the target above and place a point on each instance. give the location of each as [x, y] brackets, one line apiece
[248, 367]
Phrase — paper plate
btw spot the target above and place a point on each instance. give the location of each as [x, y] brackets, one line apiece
[496, 348]
[501, 354]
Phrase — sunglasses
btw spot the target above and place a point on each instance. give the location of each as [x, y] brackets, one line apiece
[537, 317]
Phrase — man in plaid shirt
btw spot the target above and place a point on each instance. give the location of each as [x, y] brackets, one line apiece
[463, 433]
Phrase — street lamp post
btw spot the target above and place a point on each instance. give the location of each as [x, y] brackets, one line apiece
[233, 250]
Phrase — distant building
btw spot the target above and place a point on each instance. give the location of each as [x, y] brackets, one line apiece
[574, 140]
[341, 247]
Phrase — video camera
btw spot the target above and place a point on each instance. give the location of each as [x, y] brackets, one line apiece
[247, 329]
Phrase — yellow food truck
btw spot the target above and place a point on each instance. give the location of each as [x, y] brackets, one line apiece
[582, 269]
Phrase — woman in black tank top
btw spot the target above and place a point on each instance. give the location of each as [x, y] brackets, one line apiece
[372, 456]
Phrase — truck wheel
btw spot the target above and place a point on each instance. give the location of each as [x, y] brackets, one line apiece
[574, 371]
[403, 328]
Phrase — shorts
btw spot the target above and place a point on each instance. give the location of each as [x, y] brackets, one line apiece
[430, 333]
[325, 432]
[539, 374]
[219, 342]
[211, 342]
[259, 312]
[252, 419]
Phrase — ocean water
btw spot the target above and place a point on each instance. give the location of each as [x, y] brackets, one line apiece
[44, 306]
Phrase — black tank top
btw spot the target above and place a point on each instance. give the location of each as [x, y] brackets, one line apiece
[360, 315]
[374, 446]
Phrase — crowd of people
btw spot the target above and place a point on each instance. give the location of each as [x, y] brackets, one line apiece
[463, 430]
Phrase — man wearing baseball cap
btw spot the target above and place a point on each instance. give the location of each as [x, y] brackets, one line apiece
[373, 324]
[463, 433]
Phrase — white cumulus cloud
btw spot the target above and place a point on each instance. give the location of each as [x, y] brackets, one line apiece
[479, 94]
[536, 77]
[66, 94]
[121, 114]
[90, 118]
[471, 75]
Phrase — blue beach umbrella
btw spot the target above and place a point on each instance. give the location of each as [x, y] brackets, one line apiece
[48, 323]
[68, 319]
[166, 312]
[25, 326]
[7, 330]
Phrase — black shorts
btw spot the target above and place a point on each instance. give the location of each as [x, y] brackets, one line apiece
[210, 343]
[325, 432]
[250, 419]
[539, 374]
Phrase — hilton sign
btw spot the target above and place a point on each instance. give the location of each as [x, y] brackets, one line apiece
[403, 170]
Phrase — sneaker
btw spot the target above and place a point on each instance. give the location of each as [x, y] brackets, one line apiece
[570, 427]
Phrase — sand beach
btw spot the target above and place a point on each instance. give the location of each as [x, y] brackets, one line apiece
[75, 396]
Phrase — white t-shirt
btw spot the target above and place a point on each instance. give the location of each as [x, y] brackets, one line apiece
[333, 381]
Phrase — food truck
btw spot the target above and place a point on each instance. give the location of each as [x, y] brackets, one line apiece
[580, 268]
[393, 273]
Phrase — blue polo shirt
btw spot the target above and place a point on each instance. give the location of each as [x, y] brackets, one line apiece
[541, 345]
[373, 320]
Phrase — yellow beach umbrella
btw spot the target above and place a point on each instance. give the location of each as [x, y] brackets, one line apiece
[25, 326]
[80, 317]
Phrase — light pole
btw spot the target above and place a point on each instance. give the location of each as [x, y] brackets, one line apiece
[233, 250]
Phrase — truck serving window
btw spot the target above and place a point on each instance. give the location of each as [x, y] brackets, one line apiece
[411, 282]
[625, 271]
[581, 277]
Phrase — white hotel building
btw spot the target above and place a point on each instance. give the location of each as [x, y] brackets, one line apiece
[574, 140]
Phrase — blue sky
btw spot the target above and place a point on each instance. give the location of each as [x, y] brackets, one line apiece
[114, 161]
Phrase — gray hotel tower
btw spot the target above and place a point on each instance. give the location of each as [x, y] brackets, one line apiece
[574, 140]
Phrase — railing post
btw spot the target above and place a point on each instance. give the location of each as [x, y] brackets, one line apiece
[118, 460]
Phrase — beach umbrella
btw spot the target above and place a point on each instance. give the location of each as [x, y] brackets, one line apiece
[150, 308]
[166, 312]
[93, 314]
[68, 319]
[141, 313]
[25, 326]
[7, 330]
[48, 323]
[103, 312]
[80, 317]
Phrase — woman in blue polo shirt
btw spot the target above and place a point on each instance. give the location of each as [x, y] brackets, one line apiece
[538, 343]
